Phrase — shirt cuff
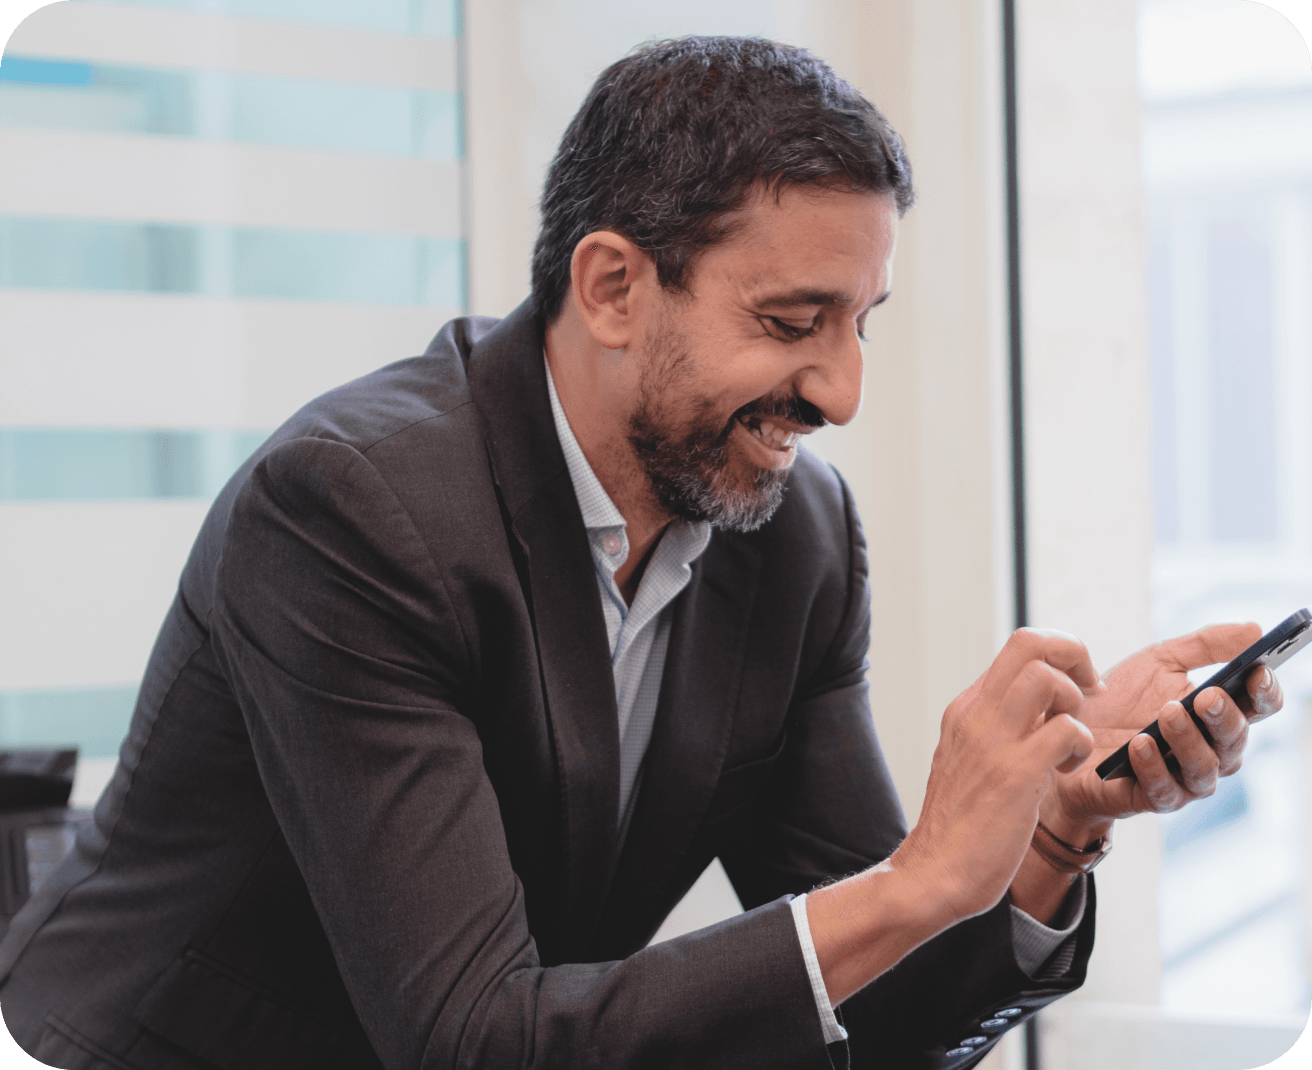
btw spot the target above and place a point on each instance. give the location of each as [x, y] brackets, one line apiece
[1035, 943]
[833, 1032]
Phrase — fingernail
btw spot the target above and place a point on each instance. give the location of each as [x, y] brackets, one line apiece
[1214, 710]
[1268, 678]
[1143, 746]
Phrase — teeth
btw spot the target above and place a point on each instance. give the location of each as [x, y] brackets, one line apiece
[774, 437]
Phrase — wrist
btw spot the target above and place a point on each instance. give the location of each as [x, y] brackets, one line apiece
[1038, 889]
[1078, 830]
[866, 924]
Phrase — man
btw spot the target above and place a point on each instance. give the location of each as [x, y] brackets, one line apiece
[482, 659]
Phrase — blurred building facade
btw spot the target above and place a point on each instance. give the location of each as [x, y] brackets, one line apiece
[210, 211]
[1227, 90]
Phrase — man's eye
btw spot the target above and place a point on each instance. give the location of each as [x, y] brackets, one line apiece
[780, 329]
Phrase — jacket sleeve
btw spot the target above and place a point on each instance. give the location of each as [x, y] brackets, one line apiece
[830, 810]
[344, 647]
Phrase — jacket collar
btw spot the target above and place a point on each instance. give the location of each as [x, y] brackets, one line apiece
[704, 663]
[507, 382]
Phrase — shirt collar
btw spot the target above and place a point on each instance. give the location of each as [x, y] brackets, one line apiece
[595, 504]
[599, 512]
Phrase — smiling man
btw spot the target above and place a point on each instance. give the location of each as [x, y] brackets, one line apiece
[764, 348]
[482, 659]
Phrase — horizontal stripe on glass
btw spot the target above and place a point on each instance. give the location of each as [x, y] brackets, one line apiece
[302, 113]
[45, 72]
[295, 265]
[430, 18]
[51, 464]
[94, 719]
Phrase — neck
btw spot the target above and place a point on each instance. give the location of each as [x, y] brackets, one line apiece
[595, 388]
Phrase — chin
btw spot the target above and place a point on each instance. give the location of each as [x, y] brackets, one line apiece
[726, 503]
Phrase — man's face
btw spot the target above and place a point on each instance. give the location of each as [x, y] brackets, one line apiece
[763, 349]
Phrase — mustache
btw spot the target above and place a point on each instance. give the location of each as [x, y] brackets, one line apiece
[792, 407]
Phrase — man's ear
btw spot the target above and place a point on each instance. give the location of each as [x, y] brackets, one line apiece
[608, 275]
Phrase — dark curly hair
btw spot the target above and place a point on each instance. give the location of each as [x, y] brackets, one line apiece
[676, 135]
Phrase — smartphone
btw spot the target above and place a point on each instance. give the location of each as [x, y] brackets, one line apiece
[1275, 648]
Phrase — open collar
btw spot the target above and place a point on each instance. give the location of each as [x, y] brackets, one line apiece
[704, 665]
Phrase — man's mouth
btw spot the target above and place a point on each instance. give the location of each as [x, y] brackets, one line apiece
[774, 436]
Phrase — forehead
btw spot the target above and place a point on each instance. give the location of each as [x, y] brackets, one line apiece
[806, 237]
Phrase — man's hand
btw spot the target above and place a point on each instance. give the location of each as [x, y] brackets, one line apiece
[1002, 742]
[1149, 685]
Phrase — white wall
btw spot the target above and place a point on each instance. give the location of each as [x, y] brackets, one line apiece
[1086, 406]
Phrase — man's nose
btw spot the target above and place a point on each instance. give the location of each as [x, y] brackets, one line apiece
[832, 381]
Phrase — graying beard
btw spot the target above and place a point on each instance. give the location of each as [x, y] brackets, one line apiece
[727, 508]
[690, 478]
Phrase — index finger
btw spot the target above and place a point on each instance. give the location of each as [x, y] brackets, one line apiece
[1061, 650]
[1208, 646]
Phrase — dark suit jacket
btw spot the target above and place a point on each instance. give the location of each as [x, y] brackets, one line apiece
[366, 811]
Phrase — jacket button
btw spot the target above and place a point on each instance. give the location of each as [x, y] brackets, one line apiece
[1010, 1012]
[960, 1051]
[975, 1040]
[994, 1023]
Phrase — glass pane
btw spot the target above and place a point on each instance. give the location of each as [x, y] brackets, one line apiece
[1227, 88]
[431, 18]
[96, 719]
[299, 265]
[97, 255]
[370, 268]
[299, 113]
[189, 301]
[63, 464]
[1240, 332]
[333, 117]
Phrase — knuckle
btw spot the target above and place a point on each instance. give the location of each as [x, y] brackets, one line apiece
[1162, 794]
[1167, 800]
[1023, 639]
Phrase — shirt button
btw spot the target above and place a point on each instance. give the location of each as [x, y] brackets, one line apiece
[994, 1023]
[612, 544]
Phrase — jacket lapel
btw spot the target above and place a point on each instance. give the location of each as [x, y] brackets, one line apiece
[690, 737]
[508, 384]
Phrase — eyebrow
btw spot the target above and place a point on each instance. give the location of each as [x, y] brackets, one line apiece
[814, 298]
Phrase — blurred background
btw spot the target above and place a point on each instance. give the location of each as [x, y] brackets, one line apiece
[213, 210]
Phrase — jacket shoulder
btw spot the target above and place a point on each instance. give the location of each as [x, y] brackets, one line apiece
[413, 420]
[383, 403]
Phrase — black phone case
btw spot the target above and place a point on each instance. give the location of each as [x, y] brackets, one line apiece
[1278, 645]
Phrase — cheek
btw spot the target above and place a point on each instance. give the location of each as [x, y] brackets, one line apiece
[761, 373]
[727, 362]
